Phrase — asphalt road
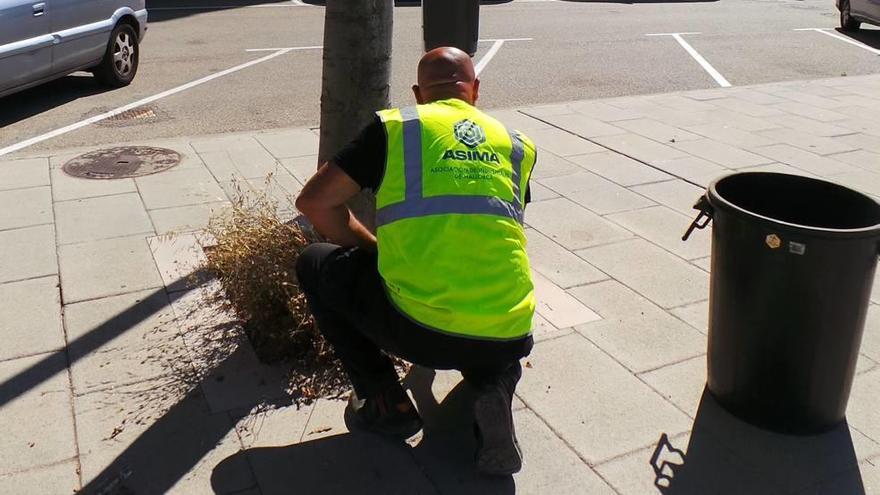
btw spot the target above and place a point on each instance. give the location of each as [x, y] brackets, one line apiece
[578, 50]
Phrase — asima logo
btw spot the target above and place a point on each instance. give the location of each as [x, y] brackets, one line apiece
[469, 133]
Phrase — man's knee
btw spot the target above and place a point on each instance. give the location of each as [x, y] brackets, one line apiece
[309, 264]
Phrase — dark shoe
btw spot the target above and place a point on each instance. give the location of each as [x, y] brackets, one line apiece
[389, 413]
[498, 451]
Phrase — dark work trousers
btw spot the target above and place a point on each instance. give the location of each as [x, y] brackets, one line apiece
[347, 296]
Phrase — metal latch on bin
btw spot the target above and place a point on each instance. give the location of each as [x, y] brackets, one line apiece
[702, 219]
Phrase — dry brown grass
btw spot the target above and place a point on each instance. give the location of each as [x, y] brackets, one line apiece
[254, 260]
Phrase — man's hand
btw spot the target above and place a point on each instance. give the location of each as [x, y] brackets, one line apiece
[322, 201]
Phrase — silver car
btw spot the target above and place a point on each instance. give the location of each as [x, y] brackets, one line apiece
[854, 12]
[41, 40]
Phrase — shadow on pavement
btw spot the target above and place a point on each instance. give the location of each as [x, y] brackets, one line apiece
[633, 2]
[168, 10]
[726, 456]
[870, 37]
[442, 461]
[34, 101]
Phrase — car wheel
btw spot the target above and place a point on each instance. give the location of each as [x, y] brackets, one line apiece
[120, 62]
[847, 23]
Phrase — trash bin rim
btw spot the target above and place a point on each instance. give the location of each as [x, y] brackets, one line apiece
[718, 201]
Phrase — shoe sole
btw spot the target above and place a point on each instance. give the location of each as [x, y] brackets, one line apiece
[499, 454]
[401, 432]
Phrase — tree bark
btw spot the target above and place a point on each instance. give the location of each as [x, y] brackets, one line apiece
[356, 78]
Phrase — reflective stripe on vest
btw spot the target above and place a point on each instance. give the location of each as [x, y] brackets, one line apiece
[415, 205]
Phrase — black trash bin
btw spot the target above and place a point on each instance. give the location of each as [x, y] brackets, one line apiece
[451, 23]
[793, 262]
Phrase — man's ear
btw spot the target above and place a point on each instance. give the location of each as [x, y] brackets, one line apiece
[417, 93]
[475, 93]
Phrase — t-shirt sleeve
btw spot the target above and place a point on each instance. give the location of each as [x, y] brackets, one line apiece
[364, 158]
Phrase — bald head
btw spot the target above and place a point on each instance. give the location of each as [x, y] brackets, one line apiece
[446, 72]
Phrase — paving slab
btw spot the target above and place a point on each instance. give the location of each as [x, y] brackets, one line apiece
[731, 135]
[680, 383]
[861, 412]
[273, 427]
[302, 167]
[704, 263]
[41, 408]
[518, 120]
[596, 194]
[179, 259]
[558, 264]
[223, 142]
[742, 121]
[692, 169]
[93, 219]
[804, 160]
[30, 317]
[543, 329]
[633, 474]
[25, 207]
[122, 340]
[669, 282]
[27, 253]
[867, 160]
[181, 188]
[144, 443]
[550, 466]
[664, 227]
[539, 192]
[640, 148]
[676, 194]
[657, 131]
[186, 218]
[603, 111]
[24, 173]
[562, 143]
[571, 225]
[58, 478]
[808, 142]
[723, 154]
[860, 180]
[635, 332]
[593, 402]
[779, 168]
[619, 169]
[695, 315]
[289, 143]
[582, 125]
[549, 165]
[810, 126]
[550, 110]
[65, 187]
[557, 306]
[231, 375]
[745, 107]
[871, 336]
[866, 141]
[104, 268]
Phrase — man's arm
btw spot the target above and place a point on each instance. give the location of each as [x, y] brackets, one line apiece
[323, 202]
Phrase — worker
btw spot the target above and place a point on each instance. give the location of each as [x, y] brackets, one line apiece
[445, 282]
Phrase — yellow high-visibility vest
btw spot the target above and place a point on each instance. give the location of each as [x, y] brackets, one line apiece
[452, 250]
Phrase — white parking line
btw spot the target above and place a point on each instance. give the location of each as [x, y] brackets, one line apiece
[842, 38]
[97, 118]
[291, 3]
[496, 45]
[289, 48]
[724, 83]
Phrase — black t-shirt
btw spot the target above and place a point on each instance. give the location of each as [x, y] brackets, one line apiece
[364, 158]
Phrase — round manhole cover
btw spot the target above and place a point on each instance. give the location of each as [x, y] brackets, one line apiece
[119, 163]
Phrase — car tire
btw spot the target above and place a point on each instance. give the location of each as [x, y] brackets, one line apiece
[847, 22]
[120, 62]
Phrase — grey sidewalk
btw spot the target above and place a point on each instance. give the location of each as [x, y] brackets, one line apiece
[112, 377]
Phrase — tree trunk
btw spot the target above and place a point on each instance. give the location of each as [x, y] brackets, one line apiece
[356, 78]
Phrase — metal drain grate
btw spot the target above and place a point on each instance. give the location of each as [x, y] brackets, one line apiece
[140, 115]
[121, 163]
